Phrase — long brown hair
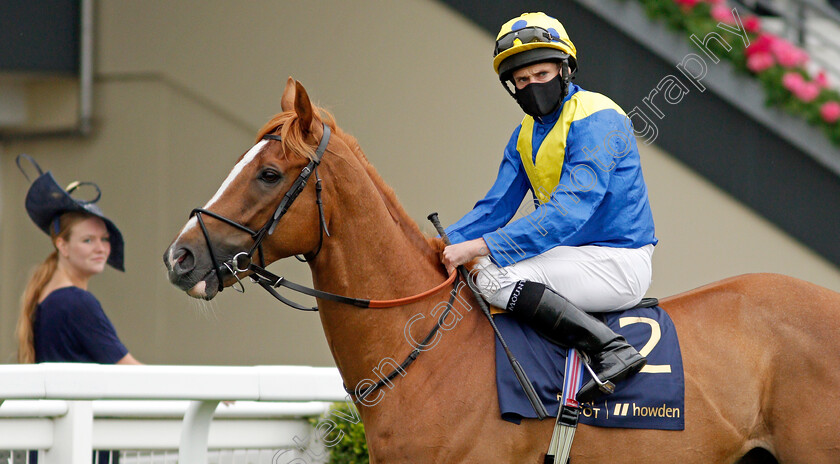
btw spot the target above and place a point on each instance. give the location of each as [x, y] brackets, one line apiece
[40, 277]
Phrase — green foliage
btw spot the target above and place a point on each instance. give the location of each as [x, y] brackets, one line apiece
[352, 447]
[666, 10]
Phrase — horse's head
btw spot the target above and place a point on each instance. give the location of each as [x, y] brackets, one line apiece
[239, 220]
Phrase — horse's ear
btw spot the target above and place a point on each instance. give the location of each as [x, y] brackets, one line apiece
[303, 107]
[287, 101]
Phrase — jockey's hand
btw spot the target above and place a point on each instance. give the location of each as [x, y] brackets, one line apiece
[462, 253]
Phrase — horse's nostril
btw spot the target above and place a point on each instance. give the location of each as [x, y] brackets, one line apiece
[184, 261]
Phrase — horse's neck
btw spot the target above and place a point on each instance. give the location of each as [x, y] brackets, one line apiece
[370, 344]
[370, 254]
[369, 251]
[376, 252]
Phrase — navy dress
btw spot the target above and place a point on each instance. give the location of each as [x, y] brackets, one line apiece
[70, 326]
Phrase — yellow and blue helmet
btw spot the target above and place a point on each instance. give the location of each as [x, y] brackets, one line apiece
[531, 38]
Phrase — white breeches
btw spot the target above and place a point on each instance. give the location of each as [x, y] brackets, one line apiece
[593, 278]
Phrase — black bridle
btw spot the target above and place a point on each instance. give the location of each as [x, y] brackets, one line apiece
[242, 262]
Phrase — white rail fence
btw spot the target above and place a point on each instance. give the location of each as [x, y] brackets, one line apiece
[65, 411]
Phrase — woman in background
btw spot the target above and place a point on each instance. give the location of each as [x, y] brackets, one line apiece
[60, 320]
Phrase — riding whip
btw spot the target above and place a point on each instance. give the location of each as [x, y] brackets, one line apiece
[523, 379]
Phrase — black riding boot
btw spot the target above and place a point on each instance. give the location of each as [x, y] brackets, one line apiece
[564, 324]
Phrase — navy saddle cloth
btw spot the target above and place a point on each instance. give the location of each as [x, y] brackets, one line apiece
[652, 399]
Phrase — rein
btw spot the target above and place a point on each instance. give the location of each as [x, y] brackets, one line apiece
[269, 281]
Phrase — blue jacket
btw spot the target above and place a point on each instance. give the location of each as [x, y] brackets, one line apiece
[601, 198]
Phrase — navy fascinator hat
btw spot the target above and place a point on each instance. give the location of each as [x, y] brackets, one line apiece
[46, 201]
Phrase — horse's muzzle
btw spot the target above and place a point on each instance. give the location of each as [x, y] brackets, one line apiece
[183, 269]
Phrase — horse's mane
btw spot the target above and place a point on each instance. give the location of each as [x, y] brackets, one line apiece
[396, 209]
[294, 141]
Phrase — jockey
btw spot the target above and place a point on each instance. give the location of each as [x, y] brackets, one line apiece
[587, 246]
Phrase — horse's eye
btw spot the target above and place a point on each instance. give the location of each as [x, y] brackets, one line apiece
[270, 176]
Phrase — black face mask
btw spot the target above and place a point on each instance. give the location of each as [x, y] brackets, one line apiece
[541, 99]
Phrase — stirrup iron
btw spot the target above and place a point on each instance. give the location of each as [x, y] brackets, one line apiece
[607, 387]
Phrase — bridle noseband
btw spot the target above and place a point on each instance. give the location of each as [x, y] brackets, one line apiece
[242, 262]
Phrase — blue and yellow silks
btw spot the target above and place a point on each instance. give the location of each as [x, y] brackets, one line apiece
[587, 179]
[544, 168]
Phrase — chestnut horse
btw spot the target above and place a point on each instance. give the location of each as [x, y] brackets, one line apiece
[759, 351]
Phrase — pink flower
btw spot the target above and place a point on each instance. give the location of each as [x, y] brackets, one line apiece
[723, 14]
[761, 44]
[752, 24]
[792, 81]
[758, 62]
[822, 80]
[830, 112]
[787, 54]
[800, 88]
[807, 92]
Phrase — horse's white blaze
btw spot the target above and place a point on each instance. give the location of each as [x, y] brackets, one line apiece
[252, 153]
[246, 160]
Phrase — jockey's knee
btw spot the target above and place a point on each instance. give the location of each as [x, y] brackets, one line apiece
[499, 298]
